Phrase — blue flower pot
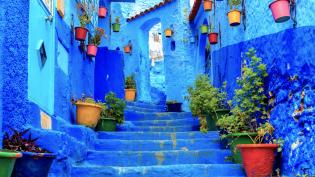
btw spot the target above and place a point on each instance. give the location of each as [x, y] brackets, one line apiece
[33, 165]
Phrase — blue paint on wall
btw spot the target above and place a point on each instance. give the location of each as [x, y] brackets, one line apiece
[287, 54]
[109, 75]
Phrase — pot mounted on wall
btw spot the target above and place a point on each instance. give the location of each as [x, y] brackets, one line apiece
[168, 32]
[91, 50]
[213, 38]
[234, 17]
[128, 47]
[280, 10]
[207, 5]
[80, 33]
[204, 29]
[102, 12]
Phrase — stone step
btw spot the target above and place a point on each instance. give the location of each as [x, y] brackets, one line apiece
[145, 105]
[148, 158]
[142, 109]
[156, 145]
[191, 170]
[142, 116]
[159, 128]
[175, 122]
[156, 135]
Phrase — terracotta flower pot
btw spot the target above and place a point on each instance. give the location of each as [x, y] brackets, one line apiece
[207, 5]
[80, 33]
[127, 49]
[258, 158]
[88, 114]
[168, 32]
[102, 12]
[234, 17]
[280, 10]
[91, 50]
[130, 94]
[204, 29]
[213, 38]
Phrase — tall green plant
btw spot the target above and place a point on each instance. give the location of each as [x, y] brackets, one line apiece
[113, 108]
[234, 4]
[130, 82]
[204, 99]
[249, 101]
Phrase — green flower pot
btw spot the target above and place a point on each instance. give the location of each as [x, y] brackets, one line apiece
[7, 161]
[214, 117]
[204, 29]
[239, 138]
[106, 124]
[116, 27]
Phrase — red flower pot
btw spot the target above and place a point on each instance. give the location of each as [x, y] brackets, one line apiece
[258, 158]
[280, 10]
[213, 38]
[102, 12]
[91, 50]
[80, 33]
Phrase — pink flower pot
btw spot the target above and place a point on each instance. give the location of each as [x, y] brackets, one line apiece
[102, 12]
[280, 10]
[91, 50]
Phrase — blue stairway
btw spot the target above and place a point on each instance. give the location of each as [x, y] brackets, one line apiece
[154, 143]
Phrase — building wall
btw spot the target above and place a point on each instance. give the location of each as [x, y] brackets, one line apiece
[178, 63]
[288, 52]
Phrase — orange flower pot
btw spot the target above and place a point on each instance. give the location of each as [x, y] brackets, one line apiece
[207, 5]
[102, 12]
[168, 32]
[130, 94]
[258, 159]
[88, 114]
[127, 49]
[234, 17]
[91, 50]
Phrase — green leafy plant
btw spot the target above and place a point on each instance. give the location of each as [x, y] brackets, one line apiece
[171, 102]
[204, 99]
[234, 3]
[96, 39]
[17, 142]
[249, 101]
[85, 13]
[130, 82]
[211, 28]
[113, 108]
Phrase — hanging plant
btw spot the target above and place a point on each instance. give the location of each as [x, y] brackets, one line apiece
[280, 10]
[95, 41]
[116, 25]
[207, 5]
[85, 14]
[234, 15]
[213, 36]
[102, 12]
[168, 32]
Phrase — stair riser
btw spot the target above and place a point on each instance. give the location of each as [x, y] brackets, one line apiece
[180, 122]
[160, 128]
[140, 109]
[157, 158]
[145, 105]
[167, 171]
[142, 116]
[116, 145]
[155, 136]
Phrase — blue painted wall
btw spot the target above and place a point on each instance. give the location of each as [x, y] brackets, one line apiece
[109, 73]
[287, 52]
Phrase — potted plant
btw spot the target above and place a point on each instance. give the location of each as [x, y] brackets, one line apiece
[213, 36]
[102, 12]
[84, 18]
[168, 32]
[204, 29]
[88, 111]
[112, 114]
[95, 41]
[7, 161]
[207, 5]
[130, 88]
[116, 25]
[205, 102]
[173, 106]
[36, 162]
[258, 159]
[280, 10]
[234, 15]
[248, 105]
[127, 48]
